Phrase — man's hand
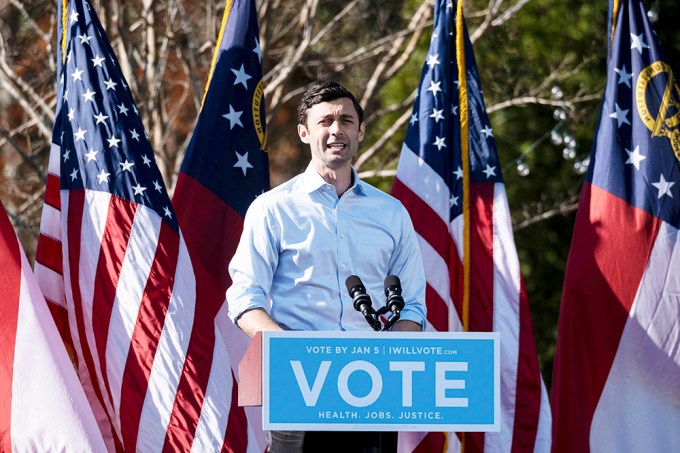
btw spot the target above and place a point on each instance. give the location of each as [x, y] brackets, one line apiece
[406, 326]
[256, 320]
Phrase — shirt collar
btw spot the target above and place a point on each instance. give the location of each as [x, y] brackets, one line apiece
[312, 181]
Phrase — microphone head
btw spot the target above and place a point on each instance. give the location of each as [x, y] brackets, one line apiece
[354, 284]
[392, 285]
[393, 293]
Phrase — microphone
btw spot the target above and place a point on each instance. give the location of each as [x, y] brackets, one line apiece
[362, 301]
[394, 303]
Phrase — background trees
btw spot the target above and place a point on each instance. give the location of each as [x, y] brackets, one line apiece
[542, 64]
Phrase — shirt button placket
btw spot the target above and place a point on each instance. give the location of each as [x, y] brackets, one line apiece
[344, 261]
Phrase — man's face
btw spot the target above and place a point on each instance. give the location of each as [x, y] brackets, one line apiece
[333, 133]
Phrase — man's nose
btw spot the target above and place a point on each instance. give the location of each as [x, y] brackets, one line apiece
[335, 128]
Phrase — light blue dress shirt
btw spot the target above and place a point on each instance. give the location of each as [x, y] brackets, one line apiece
[300, 242]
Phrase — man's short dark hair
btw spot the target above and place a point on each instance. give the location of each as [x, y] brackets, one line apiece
[325, 92]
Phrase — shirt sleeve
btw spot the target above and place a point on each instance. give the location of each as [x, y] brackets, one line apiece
[407, 264]
[254, 263]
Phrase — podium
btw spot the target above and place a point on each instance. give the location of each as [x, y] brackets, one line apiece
[373, 381]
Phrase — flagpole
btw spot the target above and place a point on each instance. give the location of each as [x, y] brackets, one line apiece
[464, 149]
[465, 155]
[614, 16]
[218, 47]
[64, 24]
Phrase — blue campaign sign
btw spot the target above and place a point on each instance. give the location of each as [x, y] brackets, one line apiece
[376, 381]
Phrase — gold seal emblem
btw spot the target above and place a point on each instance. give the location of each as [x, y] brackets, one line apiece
[258, 114]
[659, 124]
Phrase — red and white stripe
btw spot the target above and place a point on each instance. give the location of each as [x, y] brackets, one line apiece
[42, 404]
[48, 260]
[498, 301]
[621, 294]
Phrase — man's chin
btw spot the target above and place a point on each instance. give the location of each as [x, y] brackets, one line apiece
[335, 161]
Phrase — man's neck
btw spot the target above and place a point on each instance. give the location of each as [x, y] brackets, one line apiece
[340, 178]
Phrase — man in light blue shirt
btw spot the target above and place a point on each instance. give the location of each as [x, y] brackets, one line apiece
[303, 239]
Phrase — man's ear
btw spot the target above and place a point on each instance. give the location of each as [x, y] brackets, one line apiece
[303, 133]
[362, 130]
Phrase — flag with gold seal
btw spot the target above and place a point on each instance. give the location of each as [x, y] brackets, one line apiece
[617, 365]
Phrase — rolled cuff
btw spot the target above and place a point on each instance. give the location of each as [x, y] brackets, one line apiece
[237, 310]
[410, 314]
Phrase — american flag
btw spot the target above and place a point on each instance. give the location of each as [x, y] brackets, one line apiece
[225, 168]
[117, 262]
[48, 260]
[616, 379]
[42, 404]
[431, 181]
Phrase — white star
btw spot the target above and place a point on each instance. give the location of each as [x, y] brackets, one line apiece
[634, 157]
[97, 61]
[439, 143]
[624, 77]
[432, 61]
[435, 87]
[122, 109]
[241, 77]
[167, 212]
[69, 56]
[458, 173]
[74, 16]
[113, 141]
[257, 50]
[66, 155]
[92, 155]
[620, 115]
[146, 160]
[437, 115]
[135, 135]
[84, 39]
[435, 35]
[454, 110]
[664, 187]
[139, 190]
[61, 80]
[487, 132]
[134, 109]
[638, 42]
[234, 117]
[157, 187]
[65, 96]
[103, 177]
[77, 74]
[89, 95]
[110, 85]
[127, 166]
[489, 171]
[242, 162]
[414, 119]
[74, 174]
[100, 117]
[71, 114]
[79, 134]
[453, 201]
